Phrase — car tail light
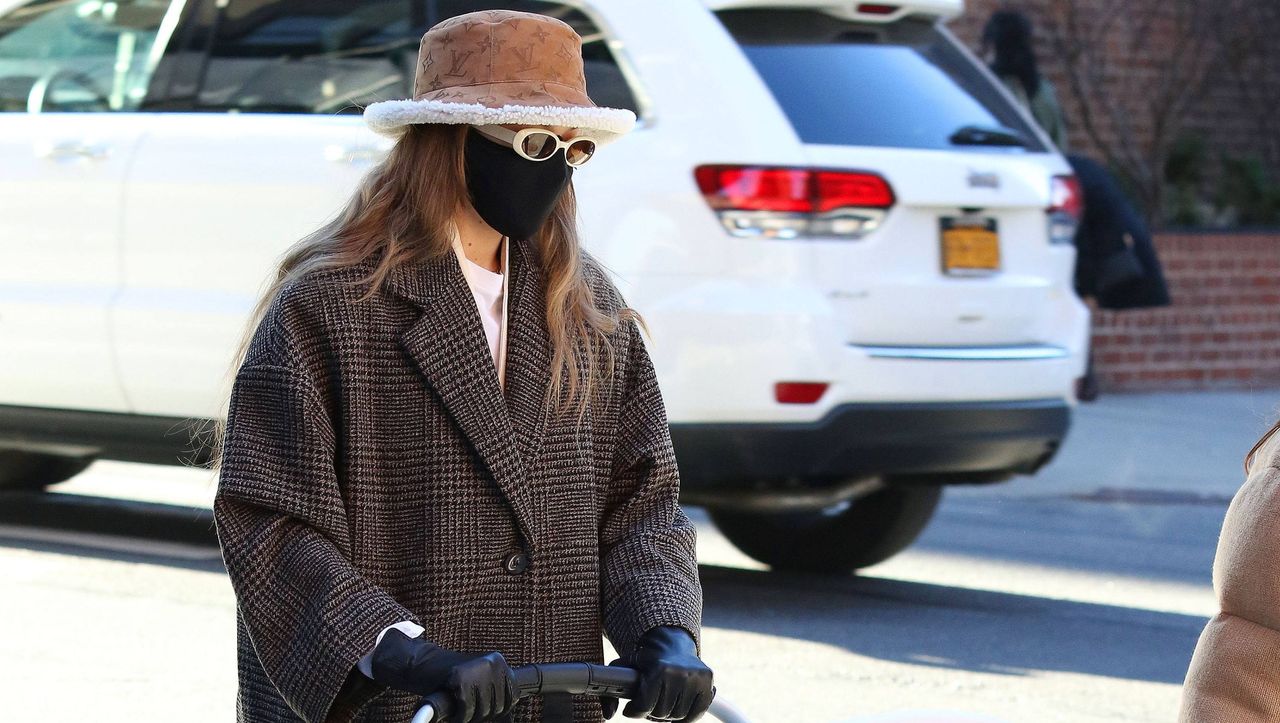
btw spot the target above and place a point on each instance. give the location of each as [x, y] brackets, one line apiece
[876, 9]
[799, 392]
[1066, 205]
[790, 203]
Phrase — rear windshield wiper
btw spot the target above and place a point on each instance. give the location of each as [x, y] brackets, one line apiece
[987, 136]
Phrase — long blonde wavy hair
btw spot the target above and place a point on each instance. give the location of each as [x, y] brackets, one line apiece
[401, 213]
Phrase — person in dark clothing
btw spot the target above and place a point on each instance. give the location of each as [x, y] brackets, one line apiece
[1007, 44]
[1116, 259]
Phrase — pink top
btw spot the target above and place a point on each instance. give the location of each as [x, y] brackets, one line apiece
[490, 292]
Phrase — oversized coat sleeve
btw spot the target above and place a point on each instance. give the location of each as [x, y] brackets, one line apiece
[649, 567]
[284, 533]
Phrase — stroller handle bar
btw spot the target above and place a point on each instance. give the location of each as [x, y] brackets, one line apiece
[577, 678]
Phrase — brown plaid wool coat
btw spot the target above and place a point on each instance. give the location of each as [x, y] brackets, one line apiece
[374, 471]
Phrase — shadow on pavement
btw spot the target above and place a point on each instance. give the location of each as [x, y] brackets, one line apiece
[949, 627]
[907, 622]
[1172, 542]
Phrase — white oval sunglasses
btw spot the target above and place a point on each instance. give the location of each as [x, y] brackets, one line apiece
[539, 144]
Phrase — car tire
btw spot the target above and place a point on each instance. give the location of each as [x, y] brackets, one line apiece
[33, 471]
[836, 540]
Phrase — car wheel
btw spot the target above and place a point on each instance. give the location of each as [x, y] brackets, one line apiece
[33, 471]
[839, 539]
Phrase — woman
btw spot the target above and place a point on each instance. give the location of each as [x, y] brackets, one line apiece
[423, 484]
[1116, 261]
[1235, 673]
[1007, 42]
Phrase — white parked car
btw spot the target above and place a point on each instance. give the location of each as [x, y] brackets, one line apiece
[853, 250]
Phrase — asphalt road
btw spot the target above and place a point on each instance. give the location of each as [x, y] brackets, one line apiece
[1074, 596]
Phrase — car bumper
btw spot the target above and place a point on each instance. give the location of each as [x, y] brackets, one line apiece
[856, 440]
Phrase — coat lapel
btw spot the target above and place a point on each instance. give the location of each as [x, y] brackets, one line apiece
[448, 345]
[528, 362]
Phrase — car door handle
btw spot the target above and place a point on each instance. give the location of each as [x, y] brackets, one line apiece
[73, 149]
[353, 154]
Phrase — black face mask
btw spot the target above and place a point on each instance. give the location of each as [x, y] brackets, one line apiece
[513, 195]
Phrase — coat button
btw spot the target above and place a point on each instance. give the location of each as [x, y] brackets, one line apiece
[516, 563]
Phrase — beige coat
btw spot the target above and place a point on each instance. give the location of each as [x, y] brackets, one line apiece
[1235, 673]
[375, 471]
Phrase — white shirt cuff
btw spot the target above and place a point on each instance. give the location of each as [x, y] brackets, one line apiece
[408, 627]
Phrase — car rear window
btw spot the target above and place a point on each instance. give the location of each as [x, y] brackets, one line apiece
[901, 85]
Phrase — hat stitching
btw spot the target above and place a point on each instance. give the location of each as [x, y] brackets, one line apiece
[521, 96]
[524, 81]
[492, 52]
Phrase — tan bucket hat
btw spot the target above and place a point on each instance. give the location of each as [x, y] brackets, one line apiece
[499, 67]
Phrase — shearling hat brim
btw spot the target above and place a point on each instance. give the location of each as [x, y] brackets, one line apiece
[389, 117]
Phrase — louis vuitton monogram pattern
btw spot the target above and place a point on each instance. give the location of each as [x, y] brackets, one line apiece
[502, 57]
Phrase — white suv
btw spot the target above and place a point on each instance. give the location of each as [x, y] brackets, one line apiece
[853, 249]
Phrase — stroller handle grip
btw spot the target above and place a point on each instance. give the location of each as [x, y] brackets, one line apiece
[577, 678]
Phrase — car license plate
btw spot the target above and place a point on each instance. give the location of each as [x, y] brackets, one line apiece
[970, 245]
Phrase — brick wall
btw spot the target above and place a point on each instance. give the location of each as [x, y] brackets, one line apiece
[1222, 330]
[1119, 69]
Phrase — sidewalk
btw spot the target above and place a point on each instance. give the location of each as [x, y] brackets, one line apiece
[1167, 445]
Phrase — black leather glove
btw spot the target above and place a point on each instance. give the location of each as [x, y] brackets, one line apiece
[674, 684]
[482, 685]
